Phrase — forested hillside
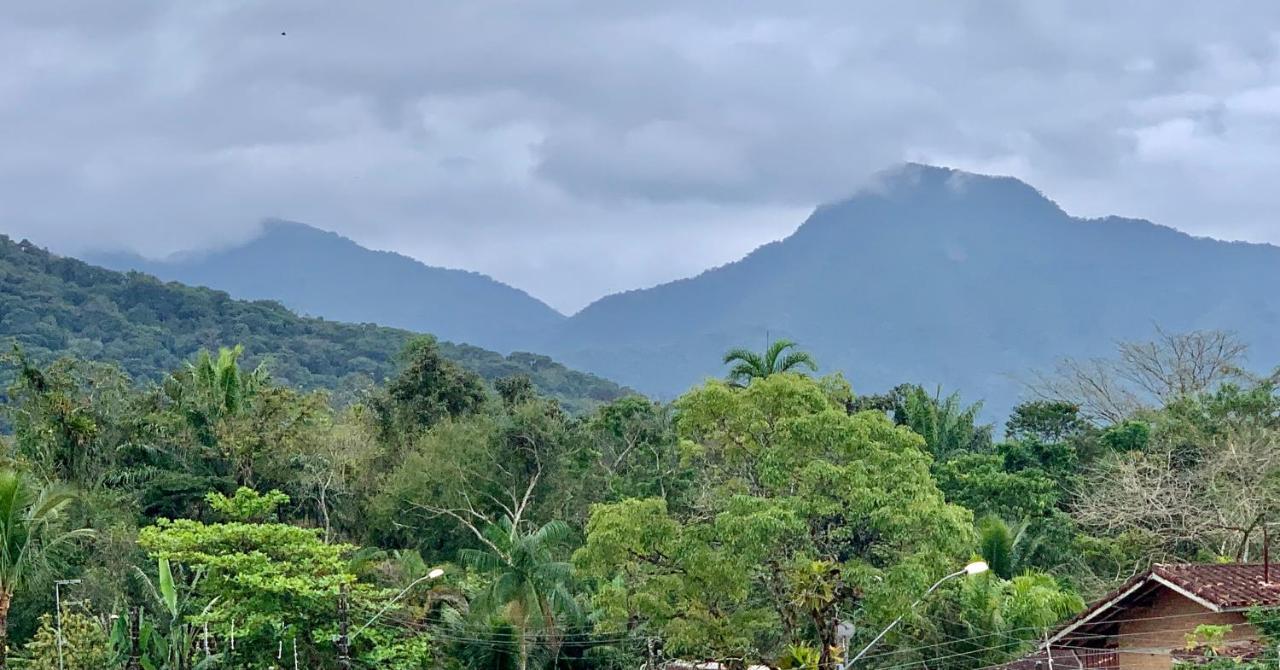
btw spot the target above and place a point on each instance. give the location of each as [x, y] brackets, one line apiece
[319, 273]
[55, 306]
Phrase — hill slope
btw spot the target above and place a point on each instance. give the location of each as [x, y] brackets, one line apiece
[319, 273]
[937, 276]
[53, 305]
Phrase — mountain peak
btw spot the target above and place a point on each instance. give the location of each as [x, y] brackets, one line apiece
[919, 194]
[937, 276]
[296, 230]
[322, 273]
[916, 180]
[272, 225]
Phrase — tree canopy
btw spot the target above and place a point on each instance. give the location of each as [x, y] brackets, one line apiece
[450, 526]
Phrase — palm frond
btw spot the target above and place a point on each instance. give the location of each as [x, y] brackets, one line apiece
[745, 355]
[553, 533]
[480, 560]
[771, 354]
[996, 543]
[797, 359]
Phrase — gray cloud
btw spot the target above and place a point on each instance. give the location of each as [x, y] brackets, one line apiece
[575, 148]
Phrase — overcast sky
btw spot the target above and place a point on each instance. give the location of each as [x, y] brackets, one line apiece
[579, 148]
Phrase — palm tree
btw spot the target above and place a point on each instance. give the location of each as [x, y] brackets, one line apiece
[27, 536]
[1006, 615]
[1009, 548]
[948, 428]
[529, 587]
[221, 386]
[748, 365]
[212, 388]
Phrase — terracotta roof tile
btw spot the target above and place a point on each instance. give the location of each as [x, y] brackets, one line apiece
[1226, 585]
[1223, 586]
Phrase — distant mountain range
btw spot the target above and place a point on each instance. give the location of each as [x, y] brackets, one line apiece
[933, 275]
[319, 273]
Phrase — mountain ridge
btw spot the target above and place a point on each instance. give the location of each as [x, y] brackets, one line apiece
[923, 253]
[54, 306]
[927, 274]
[322, 273]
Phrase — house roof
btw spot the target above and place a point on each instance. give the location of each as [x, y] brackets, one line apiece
[1215, 586]
[1226, 585]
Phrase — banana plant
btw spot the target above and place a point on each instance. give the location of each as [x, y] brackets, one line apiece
[169, 644]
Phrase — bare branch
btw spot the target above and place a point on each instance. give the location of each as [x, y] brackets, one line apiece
[1144, 374]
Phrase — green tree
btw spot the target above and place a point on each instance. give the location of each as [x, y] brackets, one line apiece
[983, 484]
[1126, 436]
[948, 428]
[428, 389]
[169, 642]
[748, 365]
[987, 620]
[1009, 548]
[637, 453]
[215, 426]
[515, 389]
[212, 388]
[1048, 421]
[29, 533]
[269, 581]
[69, 418]
[463, 475]
[657, 576]
[804, 511]
[528, 586]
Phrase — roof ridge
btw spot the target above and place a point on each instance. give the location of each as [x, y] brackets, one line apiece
[1217, 586]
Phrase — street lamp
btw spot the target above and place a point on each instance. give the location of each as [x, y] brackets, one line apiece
[974, 568]
[434, 574]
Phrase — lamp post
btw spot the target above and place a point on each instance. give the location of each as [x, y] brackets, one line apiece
[974, 568]
[434, 574]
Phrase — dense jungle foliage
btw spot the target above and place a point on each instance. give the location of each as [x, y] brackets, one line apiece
[469, 525]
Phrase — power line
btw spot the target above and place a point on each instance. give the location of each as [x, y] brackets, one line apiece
[1034, 628]
[1017, 641]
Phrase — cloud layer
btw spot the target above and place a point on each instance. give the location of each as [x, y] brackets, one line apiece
[579, 148]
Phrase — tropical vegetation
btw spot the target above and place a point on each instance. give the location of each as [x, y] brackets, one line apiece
[222, 513]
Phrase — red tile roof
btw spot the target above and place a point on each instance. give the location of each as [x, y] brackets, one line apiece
[1219, 586]
[1226, 585]
[1216, 586]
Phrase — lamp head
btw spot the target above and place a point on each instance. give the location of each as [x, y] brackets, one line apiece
[436, 574]
[976, 568]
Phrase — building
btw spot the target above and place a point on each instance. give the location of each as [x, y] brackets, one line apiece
[1144, 624]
